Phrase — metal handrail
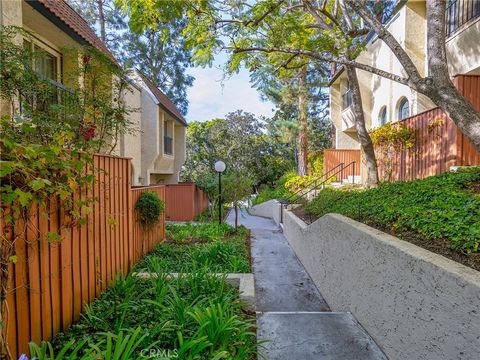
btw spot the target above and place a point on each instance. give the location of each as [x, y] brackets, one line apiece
[330, 177]
[314, 181]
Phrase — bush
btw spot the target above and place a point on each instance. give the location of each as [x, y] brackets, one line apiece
[221, 248]
[439, 207]
[195, 316]
[279, 191]
[149, 208]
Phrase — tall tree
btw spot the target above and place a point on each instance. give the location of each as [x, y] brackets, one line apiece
[297, 86]
[315, 29]
[161, 55]
[159, 52]
[283, 32]
[238, 140]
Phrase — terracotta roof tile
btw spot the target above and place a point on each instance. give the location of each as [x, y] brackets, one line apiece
[164, 100]
[75, 22]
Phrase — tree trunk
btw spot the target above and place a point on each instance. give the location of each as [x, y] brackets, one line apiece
[302, 124]
[236, 216]
[363, 135]
[439, 87]
[101, 17]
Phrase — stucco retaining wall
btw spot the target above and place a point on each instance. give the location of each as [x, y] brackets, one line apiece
[414, 303]
[269, 209]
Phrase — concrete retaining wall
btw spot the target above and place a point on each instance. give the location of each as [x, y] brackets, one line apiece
[414, 303]
[269, 209]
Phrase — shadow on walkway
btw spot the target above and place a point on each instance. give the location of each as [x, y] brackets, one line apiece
[292, 314]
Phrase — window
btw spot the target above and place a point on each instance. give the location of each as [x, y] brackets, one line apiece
[167, 140]
[347, 97]
[45, 63]
[403, 109]
[382, 116]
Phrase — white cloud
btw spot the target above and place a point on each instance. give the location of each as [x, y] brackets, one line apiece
[211, 97]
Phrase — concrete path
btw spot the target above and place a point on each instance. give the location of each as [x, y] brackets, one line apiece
[291, 313]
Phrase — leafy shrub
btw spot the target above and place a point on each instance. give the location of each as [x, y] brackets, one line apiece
[197, 315]
[221, 248]
[189, 232]
[149, 207]
[279, 191]
[266, 194]
[439, 207]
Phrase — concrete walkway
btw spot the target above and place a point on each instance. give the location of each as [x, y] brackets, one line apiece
[291, 313]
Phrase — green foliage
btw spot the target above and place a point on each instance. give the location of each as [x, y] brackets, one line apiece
[268, 193]
[236, 187]
[208, 232]
[45, 149]
[221, 248]
[110, 347]
[237, 140]
[197, 315]
[160, 53]
[396, 135]
[388, 140]
[439, 207]
[149, 207]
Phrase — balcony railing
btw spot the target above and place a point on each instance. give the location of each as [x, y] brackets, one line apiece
[167, 145]
[460, 12]
[346, 100]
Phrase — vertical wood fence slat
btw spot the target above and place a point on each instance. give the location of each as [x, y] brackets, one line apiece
[67, 288]
[333, 157]
[52, 282]
[45, 274]
[184, 201]
[439, 144]
[34, 276]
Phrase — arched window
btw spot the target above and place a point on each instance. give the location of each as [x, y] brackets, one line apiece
[403, 109]
[382, 116]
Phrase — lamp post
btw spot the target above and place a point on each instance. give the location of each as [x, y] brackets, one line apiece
[220, 168]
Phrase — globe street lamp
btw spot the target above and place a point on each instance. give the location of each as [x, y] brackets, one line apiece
[220, 168]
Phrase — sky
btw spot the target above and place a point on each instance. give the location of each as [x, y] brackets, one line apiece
[211, 97]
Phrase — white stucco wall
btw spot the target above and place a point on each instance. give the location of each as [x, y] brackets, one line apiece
[270, 209]
[150, 134]
[131, 143]
[414, 303]
[463, 50]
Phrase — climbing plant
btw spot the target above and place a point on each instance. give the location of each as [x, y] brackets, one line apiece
[48, 135]
[388, 140]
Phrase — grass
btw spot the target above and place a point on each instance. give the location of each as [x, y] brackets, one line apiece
[442, 209]
[195, 316]
[221, 248]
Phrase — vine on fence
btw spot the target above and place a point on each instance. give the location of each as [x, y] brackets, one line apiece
[388, 140]
[48, 138]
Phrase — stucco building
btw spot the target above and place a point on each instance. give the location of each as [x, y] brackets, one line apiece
[388, 101]
[157, 146]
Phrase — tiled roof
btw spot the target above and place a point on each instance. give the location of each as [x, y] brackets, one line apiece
[164, 100]
[68, 16]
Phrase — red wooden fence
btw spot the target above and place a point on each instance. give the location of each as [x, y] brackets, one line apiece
[145, 239]
[52, 282]
[438, 142]
[333, 157]
[184, 201]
